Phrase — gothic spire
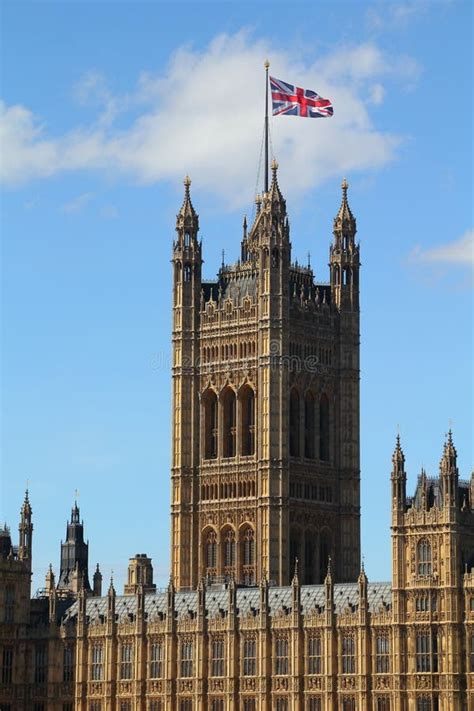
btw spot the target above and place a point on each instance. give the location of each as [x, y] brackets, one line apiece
[187, 219]
[344, 219]
[274, 193]
[398, 459]
[26, 508]
[448, 462]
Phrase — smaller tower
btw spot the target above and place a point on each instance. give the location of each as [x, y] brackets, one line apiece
[49, 581]
[187, 283]
[344, 257]
[74, 558]
[449, 473]
[97, 582]
[399, 480]
[140, 573]
[26, 531]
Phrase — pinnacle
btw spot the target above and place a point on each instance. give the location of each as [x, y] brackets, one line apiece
[187, 208]
[398, 455]
[344, 215]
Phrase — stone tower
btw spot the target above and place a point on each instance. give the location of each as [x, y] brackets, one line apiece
[433, 548]
[265, 439]
[74, 557]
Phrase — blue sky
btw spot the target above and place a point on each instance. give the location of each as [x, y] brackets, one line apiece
[105, 107]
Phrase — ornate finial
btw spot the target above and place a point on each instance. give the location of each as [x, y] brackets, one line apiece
[274, 166]
[266, 64]
[223, 258]
[309, 260]
[344, 186]
[328, 578]
[258, 202]
[187, 182]
[295, 574]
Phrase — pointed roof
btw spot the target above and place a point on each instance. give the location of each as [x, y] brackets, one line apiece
[449, 459]
[75, 513]
[26, 506]
[362, 574]
[328, 578]
[295, 580]
[345, 218]
[398, 458]
[187, 210]
[274, 193]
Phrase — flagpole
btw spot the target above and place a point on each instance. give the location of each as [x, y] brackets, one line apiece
[266, 65]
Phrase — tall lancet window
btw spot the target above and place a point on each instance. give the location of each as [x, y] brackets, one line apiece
[294, 423]
[248, 556]
[210, 429]
[211, 549]
[229, 423]
[423, 551]
[229, 548]
[324, 428]
[309, 426]
[247, 404]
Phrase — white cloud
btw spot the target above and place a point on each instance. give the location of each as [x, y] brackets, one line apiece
[376, 94]
[395, 15]
[77, 204]
[460, 251]
[204, 116]
[109, 212]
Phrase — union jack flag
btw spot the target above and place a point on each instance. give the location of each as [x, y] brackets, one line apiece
[290, 100]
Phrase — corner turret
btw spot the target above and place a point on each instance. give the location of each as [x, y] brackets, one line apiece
[344, 260]
[25, 528]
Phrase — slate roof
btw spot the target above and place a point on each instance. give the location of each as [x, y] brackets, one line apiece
[248, 601]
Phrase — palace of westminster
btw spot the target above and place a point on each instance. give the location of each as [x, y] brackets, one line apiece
[268, 606]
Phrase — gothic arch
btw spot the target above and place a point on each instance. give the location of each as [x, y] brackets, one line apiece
[209, 405]
[209, 550]
[228, 549]
[247, 420]
[247, 553]
[229, 421]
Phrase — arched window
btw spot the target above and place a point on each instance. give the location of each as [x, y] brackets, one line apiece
[248, 556]
[294, 423]
[309, 426]
[248, 547]
[423, 554]
[247, 405]
[210, 425]
[211, 549]
[228, 401]
[229, 548]
[324, 428]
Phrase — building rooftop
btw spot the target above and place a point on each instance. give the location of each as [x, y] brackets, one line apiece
[313, 598]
